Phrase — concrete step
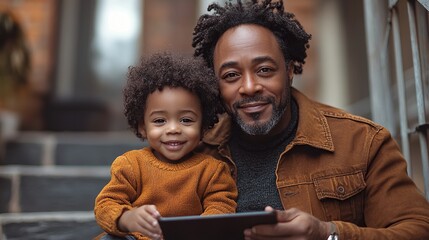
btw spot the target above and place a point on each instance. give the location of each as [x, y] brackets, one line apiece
[68, 148]
[48, 226]
[50, 188]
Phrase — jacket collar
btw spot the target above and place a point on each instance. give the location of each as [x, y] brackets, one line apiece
[313, 129]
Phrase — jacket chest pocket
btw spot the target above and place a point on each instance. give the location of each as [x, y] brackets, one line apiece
[341, 196]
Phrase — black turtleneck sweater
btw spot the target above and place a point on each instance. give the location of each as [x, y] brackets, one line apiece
[256, 167]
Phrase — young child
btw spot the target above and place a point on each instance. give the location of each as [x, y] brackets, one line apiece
[169, 101]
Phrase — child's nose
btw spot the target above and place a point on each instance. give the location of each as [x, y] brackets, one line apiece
[173, 127]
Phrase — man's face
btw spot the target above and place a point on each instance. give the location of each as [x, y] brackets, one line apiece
[253, 79]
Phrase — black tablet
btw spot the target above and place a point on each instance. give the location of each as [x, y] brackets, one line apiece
[213, 227]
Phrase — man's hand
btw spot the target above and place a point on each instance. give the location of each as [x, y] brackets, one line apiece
[143, 219]
[292, 224]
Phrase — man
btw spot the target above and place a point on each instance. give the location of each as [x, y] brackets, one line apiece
[329, 174]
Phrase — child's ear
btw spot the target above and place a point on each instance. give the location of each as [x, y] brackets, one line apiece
[203, 132]
[142, 129]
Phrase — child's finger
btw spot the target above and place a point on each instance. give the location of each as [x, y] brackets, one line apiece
[152, 210]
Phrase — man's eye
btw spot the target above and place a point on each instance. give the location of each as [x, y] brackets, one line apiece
[265, 70]
[231, 76]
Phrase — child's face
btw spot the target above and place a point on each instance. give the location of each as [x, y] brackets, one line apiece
[172, 123]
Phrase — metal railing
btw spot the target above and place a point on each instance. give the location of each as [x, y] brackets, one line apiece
[384, 32]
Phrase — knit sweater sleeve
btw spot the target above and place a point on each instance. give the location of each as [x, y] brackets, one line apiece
[117, 196]
[221, 192]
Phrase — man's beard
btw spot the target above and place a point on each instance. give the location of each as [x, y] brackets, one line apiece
[257, 127]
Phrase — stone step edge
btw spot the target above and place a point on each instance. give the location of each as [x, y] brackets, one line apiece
[8, 218]
[60, 171]
[76, 216]
[91, 138]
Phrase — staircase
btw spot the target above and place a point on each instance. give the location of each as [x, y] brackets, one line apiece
[49, 181]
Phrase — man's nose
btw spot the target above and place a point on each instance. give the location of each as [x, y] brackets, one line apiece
[250, 85]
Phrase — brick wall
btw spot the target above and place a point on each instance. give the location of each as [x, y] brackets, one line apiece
[38, 20]
[168, 25]
[306, 13]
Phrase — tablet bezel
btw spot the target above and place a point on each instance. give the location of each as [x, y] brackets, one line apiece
[208, 227]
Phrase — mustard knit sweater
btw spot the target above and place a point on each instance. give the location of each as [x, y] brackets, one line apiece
[199, 185]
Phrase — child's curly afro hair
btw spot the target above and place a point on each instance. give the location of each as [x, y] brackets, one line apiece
[169, 70]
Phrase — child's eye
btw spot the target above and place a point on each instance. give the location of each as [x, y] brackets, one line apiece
[186, 121]
[158, 121]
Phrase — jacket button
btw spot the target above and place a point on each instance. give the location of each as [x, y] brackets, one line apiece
[341, 189]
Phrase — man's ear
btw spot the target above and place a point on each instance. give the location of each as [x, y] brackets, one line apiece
[290, 70]
[142, 129]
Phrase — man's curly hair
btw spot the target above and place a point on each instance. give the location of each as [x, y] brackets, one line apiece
[168, 70]
[290, 35]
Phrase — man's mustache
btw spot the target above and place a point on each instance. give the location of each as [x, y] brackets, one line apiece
[243, 101]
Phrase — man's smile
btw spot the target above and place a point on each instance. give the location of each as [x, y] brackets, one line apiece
[253, 107]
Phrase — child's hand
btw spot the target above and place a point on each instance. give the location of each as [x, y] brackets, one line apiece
[143, 219]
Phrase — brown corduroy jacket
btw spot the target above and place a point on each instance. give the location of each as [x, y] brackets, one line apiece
[342, 168]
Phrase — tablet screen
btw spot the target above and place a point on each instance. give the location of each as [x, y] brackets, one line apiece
[211, 227]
